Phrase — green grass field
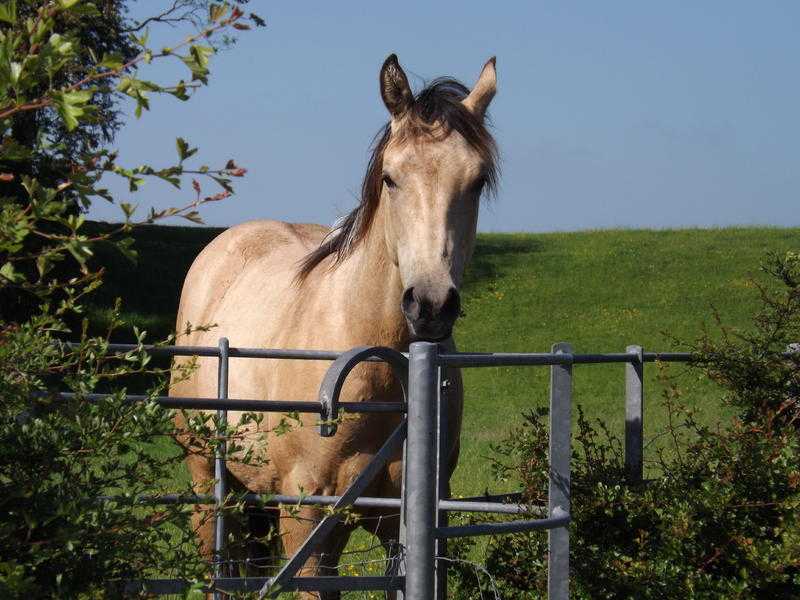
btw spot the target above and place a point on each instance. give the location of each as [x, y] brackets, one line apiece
[599, 290]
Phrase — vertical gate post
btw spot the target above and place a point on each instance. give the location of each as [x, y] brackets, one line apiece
[420, 489]
[559, 488]
[442, 476]
[398, 567]
[634, 415]
[220, 487]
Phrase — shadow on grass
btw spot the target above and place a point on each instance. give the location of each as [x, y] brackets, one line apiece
[490, 260]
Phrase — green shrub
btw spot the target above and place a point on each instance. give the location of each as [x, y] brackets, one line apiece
[71, 470]
[719, 517]
[60, 457]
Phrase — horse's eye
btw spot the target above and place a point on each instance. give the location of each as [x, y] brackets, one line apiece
[389, 181]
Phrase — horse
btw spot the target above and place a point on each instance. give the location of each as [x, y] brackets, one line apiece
[387, 274]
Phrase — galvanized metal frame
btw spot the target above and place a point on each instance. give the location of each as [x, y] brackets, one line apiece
[421, 466]
[634, 416]
[220, 479]
[442, 479]
[337, 374]
[558, 493]
[423, 503]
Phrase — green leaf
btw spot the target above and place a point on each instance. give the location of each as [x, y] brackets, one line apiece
[85, 10]
[111, 61]
[8, 272]
[143, 39]
[14, 72]
[71, 106]
[224, 183]
[194, 217]
[125, 246]
[134, 183]
[128, 209]
[42, 264]
[179, 91]
[8, 12]
[197, 61]
[184, 151]
[202, 54]
[60, 44]
[142, 103]
[79, 249]
[125, 84]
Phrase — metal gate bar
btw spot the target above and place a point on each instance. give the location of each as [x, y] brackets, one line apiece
[447, 504]
[210, 351]
[634, 416]
[255, 584]
[220, 479]
[560, 518]
[422, 465]
[245, 405]
[442, 478]
[559, 489]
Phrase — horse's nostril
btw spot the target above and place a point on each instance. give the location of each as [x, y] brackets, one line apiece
[452, 305]
[409, 302]
[418, 307]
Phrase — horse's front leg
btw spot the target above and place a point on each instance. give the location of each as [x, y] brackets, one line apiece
[296, 526]
[201, 471]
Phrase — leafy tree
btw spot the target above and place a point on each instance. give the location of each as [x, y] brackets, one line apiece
[49, 144]
[719, 518]
[103, 34]
[71, 471]
[110, 32]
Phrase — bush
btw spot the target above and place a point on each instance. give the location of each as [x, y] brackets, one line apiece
[60, 457]
[719, 518]
[71, 469]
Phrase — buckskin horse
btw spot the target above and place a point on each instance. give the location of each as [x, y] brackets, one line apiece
[386, 274]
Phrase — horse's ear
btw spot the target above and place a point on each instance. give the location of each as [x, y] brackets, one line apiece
[395, 91]
[484, 90]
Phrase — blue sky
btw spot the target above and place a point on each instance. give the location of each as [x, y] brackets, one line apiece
[614, 114]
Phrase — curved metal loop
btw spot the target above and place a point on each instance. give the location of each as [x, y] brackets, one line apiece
[337, 373]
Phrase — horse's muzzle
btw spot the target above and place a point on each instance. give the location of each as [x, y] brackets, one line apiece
[430, 318]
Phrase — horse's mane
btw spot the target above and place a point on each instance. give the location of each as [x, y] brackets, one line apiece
[438, 103]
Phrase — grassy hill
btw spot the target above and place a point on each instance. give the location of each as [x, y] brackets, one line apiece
[599, 290]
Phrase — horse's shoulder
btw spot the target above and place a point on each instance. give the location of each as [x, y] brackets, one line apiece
[250, 249]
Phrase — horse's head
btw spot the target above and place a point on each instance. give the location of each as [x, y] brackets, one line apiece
[431, 166]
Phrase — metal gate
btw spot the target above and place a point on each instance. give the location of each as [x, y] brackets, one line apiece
[420, 572]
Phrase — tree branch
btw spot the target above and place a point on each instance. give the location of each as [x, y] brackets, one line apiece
[168, 17]
[45, 101]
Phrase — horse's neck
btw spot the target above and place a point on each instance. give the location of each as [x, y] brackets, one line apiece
[374, 287]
